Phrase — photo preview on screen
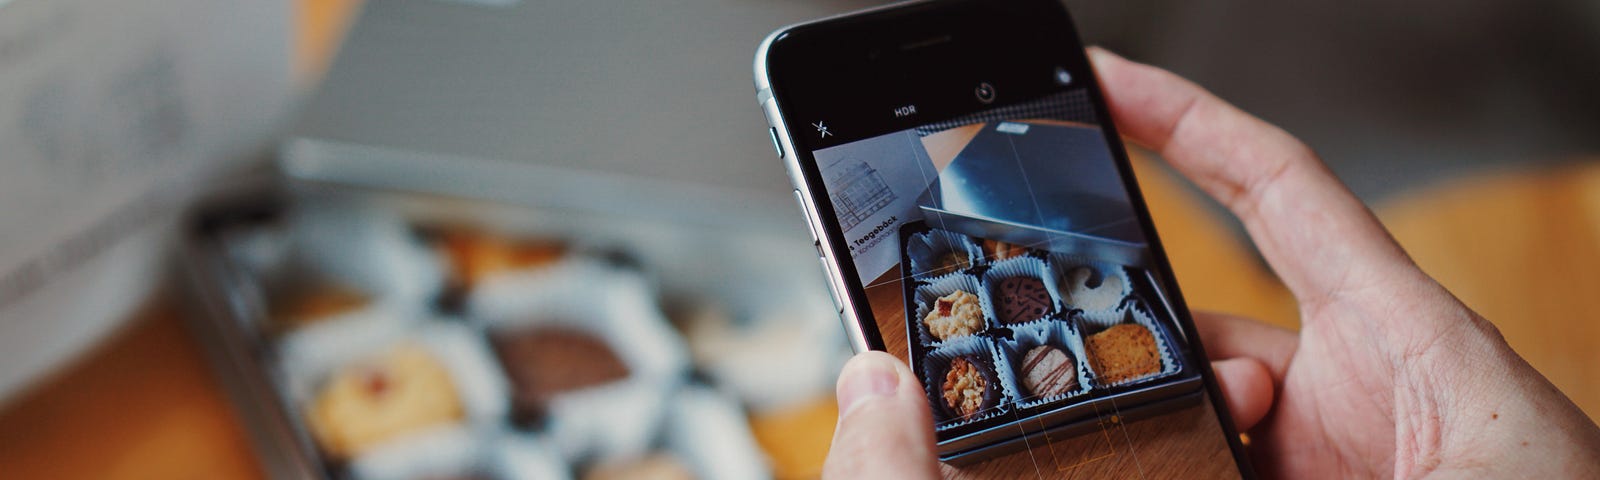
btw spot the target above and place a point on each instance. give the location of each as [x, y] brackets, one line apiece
[1004, 261]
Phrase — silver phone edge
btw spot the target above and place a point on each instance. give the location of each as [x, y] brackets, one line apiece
[837, 284]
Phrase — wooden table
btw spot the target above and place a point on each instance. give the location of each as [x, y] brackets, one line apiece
[144, 405]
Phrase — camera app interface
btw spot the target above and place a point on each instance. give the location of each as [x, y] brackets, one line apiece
[1004, 261]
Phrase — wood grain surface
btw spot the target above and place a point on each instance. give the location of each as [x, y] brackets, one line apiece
[144, 406]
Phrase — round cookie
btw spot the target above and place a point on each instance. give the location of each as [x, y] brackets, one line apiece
[1048, 371]
[1021, 299]
[402, 391]
[949, 262]
[997, 250]
[967, 389]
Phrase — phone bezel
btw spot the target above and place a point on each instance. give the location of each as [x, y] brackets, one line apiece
[780, 64]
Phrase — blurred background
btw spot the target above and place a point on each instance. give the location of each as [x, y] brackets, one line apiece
[221, 212]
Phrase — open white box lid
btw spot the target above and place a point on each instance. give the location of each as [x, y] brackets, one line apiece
[113, 114]
[600, 104]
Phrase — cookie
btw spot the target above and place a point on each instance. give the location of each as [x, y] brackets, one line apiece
[949, 262]
[544, 362]
[966, 388]
[659, 466]
[997, 250]
[370, 402]
[1021, 300]
[1048, 371]
[1123, 352]
[953, 316]
[1102, 296]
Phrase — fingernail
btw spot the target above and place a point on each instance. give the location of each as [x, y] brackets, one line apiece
[1096, 53]
[865, 378]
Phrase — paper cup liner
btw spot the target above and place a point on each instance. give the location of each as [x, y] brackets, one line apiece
[1056, 331]
[1101, 272]
[711, 434]
[618, 419]
[1132, 313]
[457, 348]
[927, 295]
[616, 306]
[980, 351]
[484, 393]
[440, 452]
[1019, 267]
[523, 455]
[306, 356]
[924, 249]
[365, 246]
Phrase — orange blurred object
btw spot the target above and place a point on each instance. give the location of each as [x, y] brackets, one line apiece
[475, 255]
[796, 438]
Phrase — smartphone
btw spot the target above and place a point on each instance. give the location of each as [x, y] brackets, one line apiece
[976, 215]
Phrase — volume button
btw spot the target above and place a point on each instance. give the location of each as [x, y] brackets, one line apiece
[776, 145]
[775, 125]
[805, 213]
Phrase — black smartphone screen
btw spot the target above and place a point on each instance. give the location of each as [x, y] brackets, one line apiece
[990, 232]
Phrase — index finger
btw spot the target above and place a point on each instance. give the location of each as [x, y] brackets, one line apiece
[1314, 233]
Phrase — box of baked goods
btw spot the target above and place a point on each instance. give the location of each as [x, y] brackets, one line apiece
[1007, 336]
[370, 332]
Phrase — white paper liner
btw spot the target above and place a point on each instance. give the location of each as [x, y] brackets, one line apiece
[1063, 264]
[446, 451]
[1020, 267]
[618, 419]
[616, 305]
[937, 363]
[712, 435]
[926, 295]
[586, 295]
[485, 394]
[1056, 331]
[784, 357]
[517, 455]
[307, 355]
[1128, 314]
[366, 247]
[923, 249]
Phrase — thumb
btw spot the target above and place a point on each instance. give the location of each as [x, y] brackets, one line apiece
[885, 429]
[1246, 388]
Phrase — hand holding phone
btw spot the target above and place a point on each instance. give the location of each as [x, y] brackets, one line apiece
[1390, 376]
[1253, 357]
[977, 219]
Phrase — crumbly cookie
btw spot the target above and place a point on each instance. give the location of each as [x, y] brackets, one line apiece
[965, 388]
[955, 315]
[1123, 352]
